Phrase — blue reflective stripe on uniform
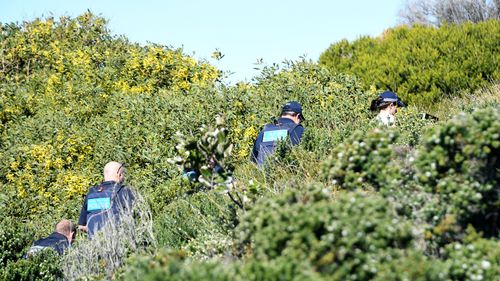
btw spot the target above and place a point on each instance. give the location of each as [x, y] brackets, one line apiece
[274, 135]
[98, 204]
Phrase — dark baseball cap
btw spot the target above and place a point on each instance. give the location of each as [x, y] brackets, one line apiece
[293, 106]
[392, 97]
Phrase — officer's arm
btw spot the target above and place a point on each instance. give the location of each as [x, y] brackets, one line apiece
[255, 150]
[296, 134]
[128, 198]
[82, 219]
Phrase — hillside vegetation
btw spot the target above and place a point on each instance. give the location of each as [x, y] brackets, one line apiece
[423, 64]
[354, 201]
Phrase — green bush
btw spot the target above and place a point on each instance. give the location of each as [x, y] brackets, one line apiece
[69, 91]
[73, 97]
[15, 239]
[413, 266]
[167, 265]
[458, 161]
[193, 218]
[45, 265]
[364, 160]
[346, 238]
[478, 259]
[281, 268]
[422, 64]
[332, 103]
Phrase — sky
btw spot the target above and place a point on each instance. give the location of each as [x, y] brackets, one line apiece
[270, 31]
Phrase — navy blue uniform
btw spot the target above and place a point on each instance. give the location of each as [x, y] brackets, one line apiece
[266, 140]
[109, 199]
[56, 241]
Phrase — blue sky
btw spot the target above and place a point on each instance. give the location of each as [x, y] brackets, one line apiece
[244, 31]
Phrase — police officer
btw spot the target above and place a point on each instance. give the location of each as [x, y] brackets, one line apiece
[107, 201]
[59, 240]
[288, 126]
[387, 105]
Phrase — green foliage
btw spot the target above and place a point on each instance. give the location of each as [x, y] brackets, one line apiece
[280, 268]
[45, 265]
[411, 125]
[73, 97]
[422, 64]
[459, 161]
[476, 260]
[332, 103]
[194, 219]
[346, 238]
[15, 238]
[364, 160]
[413, 266]
[69, 91]
[167, 265]
[456, 163]
[208, 154]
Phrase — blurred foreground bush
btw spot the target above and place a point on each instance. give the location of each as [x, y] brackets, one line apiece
[459, 162]
[347, 237]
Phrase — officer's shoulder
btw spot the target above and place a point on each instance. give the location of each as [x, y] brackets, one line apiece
[297, 127]
[93, 188]
[127, 189]
[269, 125]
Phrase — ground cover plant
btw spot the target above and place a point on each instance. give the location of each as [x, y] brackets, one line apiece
[354, 201]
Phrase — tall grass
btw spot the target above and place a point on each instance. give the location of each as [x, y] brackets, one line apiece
[108, 249]
[467, 102]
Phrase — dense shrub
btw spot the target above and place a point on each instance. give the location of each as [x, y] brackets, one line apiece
[51, 55]
[69, 91]
[459, 161]
[422, 64]
[413, 266]
[194, 219]
[74, 97]
[474, 259]
[15, 239]
[281, 268]
[167, 265]
[332, 103]
[364, 160]
[45, 265]
[346, 238]
[51, 158]
[64, 117]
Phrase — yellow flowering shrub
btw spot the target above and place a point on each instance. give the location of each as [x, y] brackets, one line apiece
[74, 97]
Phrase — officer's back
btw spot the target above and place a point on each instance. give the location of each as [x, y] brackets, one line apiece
[287, 127]
[59, 240]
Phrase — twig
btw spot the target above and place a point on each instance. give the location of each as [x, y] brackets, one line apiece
[235, 201]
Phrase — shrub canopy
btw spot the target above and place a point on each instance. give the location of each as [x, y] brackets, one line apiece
[422, 64]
